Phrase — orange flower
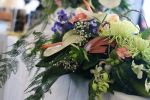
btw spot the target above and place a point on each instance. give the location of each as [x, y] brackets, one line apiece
[123, 52]
[47, 45]
[113, 18]
[80, 16]
[87, 6]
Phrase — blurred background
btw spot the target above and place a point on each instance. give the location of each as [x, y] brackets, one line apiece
[18, 16]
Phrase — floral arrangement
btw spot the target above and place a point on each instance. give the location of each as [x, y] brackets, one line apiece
[117, 6]
[110, 52]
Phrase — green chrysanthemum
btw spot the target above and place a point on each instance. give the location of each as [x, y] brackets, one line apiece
[146, 55]
[122, 32]
[121, 28]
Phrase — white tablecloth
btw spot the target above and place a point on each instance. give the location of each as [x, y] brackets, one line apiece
[3, 46]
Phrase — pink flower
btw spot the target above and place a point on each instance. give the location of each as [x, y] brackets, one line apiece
[99, 45]
[123, 52]
[58, 2]
[47, 45]
[78, 17]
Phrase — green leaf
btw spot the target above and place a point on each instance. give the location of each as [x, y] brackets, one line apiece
[56, 38]
[94, 4]
[37, 33]
[49, 61]
[113, 55]
[93, 60]
[37, 95]
[146, 34]
[80, 53]
[126, 81]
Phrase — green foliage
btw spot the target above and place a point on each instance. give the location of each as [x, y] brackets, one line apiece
[7, 66]
[50, 6]
[95, 4]
[71, 3]
[126, 81]
[44, 80]
[99, 84]
[9, 61]
[56, 38]
[92, 62]
[49, 61]
[146, 34]
[113, 59]
[123, 7]
[78, 53]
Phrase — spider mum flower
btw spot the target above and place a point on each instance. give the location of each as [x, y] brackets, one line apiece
[123, 53]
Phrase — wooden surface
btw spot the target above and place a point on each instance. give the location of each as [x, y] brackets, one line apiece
[5, 15]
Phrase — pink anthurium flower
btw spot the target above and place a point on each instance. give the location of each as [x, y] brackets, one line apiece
[47, 45]
[99, 45]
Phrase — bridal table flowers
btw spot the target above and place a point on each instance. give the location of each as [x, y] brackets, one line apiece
[107, 50]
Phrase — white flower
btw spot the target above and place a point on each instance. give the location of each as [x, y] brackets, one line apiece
[147, 85]
[137, 69]
[112, 18]
[110, 3]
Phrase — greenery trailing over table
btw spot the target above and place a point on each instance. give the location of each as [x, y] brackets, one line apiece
[112, 53]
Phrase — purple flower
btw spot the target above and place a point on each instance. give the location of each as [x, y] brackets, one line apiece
[63, 25]
[93, 26]
[68, 26]
[58, 27]
[62, 16]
